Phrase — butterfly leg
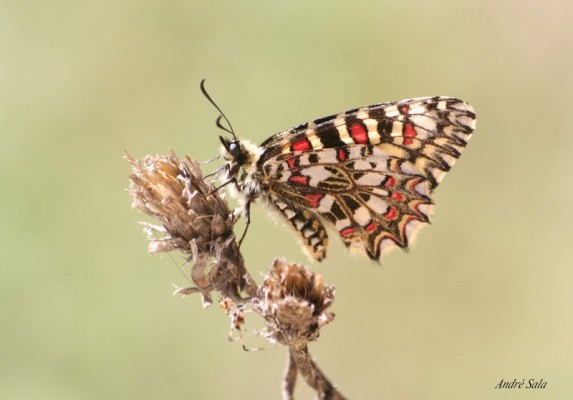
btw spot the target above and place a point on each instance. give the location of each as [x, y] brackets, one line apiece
[247, 213]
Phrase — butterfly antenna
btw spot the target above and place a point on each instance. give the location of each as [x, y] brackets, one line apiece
[221, 126]
[222, 116]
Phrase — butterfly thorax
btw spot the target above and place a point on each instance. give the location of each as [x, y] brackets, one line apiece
[242, 157]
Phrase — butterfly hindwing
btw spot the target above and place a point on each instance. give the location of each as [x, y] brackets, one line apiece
[363, 194]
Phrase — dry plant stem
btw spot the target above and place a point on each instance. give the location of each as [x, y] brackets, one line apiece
[289, 380]
[313, 375]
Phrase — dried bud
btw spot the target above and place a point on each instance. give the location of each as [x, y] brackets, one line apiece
[293, 300]
[194, 220]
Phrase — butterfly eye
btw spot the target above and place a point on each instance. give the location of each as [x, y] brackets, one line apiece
[234, 149]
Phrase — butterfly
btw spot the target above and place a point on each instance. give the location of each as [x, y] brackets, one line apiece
[367, 173]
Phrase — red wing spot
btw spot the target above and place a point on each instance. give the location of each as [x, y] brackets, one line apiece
[313, 199]
[299, 179]
[409, 131]
[292, 163]
[389, 182]
[404, 109]
[346, 232]
[391, 214]
[408, 141]
[358, 133]
[341, 154]
[397, 196]
[370, 227]
[301, 145]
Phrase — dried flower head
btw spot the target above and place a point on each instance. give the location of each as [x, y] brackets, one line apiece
[293, 300]
[195, 220]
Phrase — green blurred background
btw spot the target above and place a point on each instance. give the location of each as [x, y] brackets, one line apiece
[87, 313]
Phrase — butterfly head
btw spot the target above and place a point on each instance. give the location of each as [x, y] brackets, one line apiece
[233, 152]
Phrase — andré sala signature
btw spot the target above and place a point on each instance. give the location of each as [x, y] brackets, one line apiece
[522, 384]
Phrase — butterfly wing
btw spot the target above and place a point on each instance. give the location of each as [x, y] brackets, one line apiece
[369, 172]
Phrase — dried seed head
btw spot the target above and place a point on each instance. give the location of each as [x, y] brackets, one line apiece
[293, 300]
[194, 220]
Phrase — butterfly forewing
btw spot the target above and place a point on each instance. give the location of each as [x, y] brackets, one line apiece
[368, 172]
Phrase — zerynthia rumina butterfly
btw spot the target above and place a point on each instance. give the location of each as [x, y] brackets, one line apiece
[369, 172]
